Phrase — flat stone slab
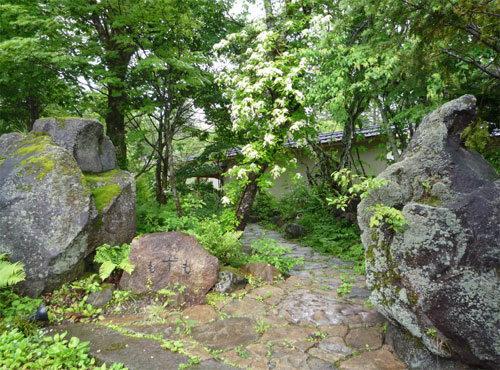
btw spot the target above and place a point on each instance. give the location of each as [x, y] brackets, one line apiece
[383, 359]
[360, 338]
[331, 350]
[226, 334]
[305, 307]
[109, 346]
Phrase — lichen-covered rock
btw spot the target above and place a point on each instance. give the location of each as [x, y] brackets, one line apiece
[230, 280]
[52, 216]
[114, 197]
[46, 210]
[171, 260]
[439, 278]
[84, 138]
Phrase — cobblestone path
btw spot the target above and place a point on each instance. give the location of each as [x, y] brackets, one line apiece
[302, 322]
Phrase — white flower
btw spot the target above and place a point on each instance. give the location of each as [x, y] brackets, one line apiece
[299, 96]
[249, 152]
[263, 36]
[298, 176]
[225, 200]
[221, 44]
[241, 173]
[268, 139]
[277, 171]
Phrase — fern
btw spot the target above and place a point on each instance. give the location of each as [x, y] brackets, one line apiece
[112, 258]
[10, 273]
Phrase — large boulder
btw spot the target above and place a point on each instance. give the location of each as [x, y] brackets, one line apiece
[84, 138]
[50, 217]
[171, 260]
[439, 277]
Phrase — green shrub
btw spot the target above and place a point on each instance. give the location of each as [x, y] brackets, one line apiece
[268, 251]
[265, 206]
[219, 242]
[112, 258]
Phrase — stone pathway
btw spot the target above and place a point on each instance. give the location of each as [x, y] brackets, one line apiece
[298, 323]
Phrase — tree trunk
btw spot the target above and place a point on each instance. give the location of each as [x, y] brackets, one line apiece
[387, 128]
[115, 123]
[34, 107]
[171, 173]
[245, 204]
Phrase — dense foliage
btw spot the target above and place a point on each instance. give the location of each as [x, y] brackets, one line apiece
[178, 83]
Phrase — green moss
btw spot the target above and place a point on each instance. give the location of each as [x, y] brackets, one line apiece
[101, 177]
[387, 277]
[430, 201]
[37, 161]
[104, 195]
[42, 165]
[33, 144]
[102, 187]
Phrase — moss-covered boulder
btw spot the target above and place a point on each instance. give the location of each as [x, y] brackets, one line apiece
[84, 138]
[51, 215]
[439, 277]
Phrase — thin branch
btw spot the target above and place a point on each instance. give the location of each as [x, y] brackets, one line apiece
[472, 62]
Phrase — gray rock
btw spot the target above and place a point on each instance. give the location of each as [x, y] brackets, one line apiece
[49, 219]
[163, 260]
[295, 230]
[415, 355]
[84, 138]
[229, 280]
[100, 298]
[46, 210]
[439, 277]
[114, 198]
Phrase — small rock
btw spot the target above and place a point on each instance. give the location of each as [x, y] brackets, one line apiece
[278, 221]
[295, 230]
[262, 270]
[229, 280]
[100, 298]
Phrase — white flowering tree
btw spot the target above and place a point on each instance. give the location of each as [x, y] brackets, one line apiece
[266, 90]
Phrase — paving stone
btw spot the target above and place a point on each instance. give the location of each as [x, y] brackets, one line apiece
[269, 294]
[331, 350]
[334, 330]
[226, 334]
[109, 346]
[362, 337]
[200, 314]
[382, 359]
[305, 307]
[286, 359]
[247, 307]
[290, 335]
[318, 364]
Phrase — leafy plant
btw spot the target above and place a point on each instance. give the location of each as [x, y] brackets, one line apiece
[112, 258]
[391, 216]
[224, 245]
[268, 251]
[10, 273]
